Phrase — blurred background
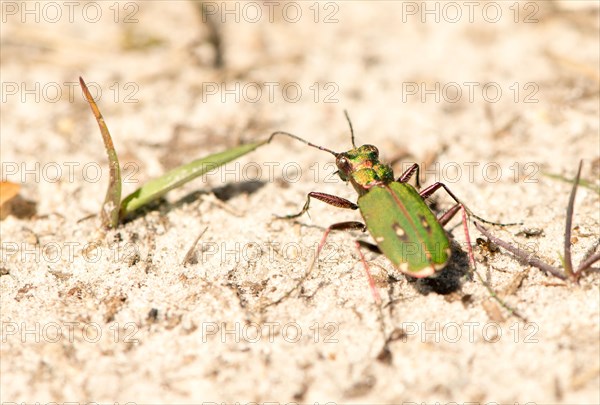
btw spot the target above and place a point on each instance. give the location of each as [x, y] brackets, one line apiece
[497, 99]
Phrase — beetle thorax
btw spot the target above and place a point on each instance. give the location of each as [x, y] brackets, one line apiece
[361, 167]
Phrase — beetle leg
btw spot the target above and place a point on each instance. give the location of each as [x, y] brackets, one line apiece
[374, 291]
[468, 237]
[340, 226]
[348, 226]
[404, 177]
[370, 246]
[327, 198]
[459, 206]
[448, 215]
[429, 190]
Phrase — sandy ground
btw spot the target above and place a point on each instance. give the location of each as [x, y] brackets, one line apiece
[490, 97]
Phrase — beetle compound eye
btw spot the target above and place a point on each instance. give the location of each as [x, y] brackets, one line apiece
[343, 164]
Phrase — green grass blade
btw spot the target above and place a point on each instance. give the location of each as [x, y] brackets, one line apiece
[109, 213]
[582, 182]
[181, 175]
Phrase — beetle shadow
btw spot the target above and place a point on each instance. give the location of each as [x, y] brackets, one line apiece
[450, 279]
[224, 193]
[232, 190]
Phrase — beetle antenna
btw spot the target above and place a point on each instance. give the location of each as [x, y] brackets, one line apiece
[351, 129]
[301, 140]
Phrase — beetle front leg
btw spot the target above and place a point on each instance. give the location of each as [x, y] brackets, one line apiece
[327, 198]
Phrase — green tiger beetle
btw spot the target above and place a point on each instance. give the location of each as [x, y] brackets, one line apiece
[404, 228]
